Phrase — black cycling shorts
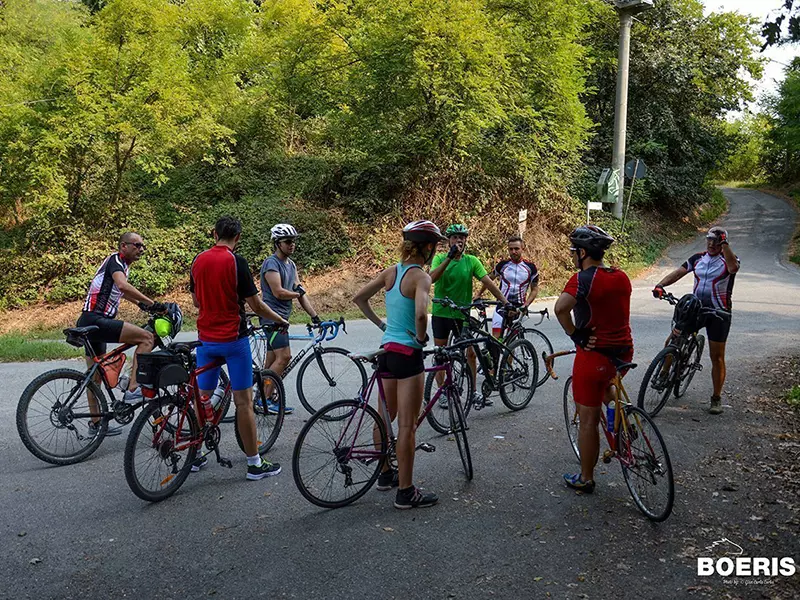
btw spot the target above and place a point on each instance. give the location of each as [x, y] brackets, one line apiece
[110, 331]
[443, 326]
[400, 366]
[717, 329]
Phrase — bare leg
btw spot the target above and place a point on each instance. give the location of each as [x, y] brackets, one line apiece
[588, 439]
[717, 352]
[246, 420]
[409, 401]
[277, 361]
[144, 342]
[390, 393]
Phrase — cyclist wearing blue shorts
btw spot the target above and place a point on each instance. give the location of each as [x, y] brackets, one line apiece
[221, 283]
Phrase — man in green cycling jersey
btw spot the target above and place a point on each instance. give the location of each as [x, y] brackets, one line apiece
[452, 275]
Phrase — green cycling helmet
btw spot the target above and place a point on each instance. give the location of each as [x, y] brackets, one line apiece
[456, 229]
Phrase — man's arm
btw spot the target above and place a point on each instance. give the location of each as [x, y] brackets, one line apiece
[730, 258]
[257, 305]
[672, 277]
[128, 291]
[305, 301]
[489, 285]
[438, 267]
[273, 279]
[361, 299]
[533, 291]
[563, 309]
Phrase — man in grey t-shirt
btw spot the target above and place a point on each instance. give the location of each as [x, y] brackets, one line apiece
[280, 284]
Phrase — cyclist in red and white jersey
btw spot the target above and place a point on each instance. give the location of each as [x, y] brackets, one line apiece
[714, 273]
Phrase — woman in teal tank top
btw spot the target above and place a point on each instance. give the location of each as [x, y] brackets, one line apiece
[407, 288]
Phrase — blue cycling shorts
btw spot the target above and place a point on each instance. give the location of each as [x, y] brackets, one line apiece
[237, 356]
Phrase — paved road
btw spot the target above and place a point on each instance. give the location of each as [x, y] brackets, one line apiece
[512, 532]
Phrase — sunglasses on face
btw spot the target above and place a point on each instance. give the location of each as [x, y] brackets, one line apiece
[139, 245]
[290, 242]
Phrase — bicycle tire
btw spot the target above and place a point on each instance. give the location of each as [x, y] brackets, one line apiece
[313, 441]
[531, 334]
[463, 379]
[695, 355]
[227, 399]
[653, 404]
[648, 462]
[346, 385]
[458, 427]
[73, 428]
[518, 373]
[571, 418]
[141, 437]
[268, 424]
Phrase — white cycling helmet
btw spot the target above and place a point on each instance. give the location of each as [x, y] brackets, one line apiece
[282, 231]
[422, 231]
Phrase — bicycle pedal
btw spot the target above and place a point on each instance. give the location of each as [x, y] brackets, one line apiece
[225, 462]
[607, 456]
[426, 447]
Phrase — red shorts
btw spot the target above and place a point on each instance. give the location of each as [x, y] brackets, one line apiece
[592, 373]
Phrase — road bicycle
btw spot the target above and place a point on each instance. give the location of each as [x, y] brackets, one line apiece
[172, 429]
[63, 414]
[633, 439]
[327, 374]
[674, 367]
[340, 451]
[515, 378]
[519, 329]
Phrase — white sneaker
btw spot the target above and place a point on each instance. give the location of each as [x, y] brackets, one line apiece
[134, 397]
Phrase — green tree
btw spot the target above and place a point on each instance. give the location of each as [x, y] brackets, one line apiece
[782, 154]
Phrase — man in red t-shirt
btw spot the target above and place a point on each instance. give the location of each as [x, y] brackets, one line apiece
[221, 283]
[599, 297]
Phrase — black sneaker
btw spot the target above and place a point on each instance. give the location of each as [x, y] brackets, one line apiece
[414, 497]
[199, 463]
[265, 469]
[94, 428]
[388, 480]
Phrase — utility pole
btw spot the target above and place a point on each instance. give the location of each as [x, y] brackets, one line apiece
[626, 9]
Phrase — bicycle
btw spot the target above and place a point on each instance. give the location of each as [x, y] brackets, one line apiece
[327, 374]
[70, 405]
[674, 367]
[515, 379]
[518, 329]
[166, 436]
[634, 441]
[342, 448]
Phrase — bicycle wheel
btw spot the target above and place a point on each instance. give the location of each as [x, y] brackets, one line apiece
[159, 452]
[571, 418]
[645, 465]
[519, 372]
[227, 399]
[439, 415]
[458, 427]
[336, 459]
[328, 375]
[269, 412]
[694, 355]
[47, 421]
[539, 341]
[658, 381]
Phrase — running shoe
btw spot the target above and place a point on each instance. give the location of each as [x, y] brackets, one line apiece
[265, 469]
[199, 463]
[388, 480]
[576, 483]
[414, 497]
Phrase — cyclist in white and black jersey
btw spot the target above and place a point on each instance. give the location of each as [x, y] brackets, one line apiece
[714, 273]
[109, 285]
[518, 280]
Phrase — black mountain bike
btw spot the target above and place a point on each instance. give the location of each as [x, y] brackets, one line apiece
[673, 369]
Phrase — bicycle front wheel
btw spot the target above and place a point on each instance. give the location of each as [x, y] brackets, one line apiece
[338, 455]
[571, 418]
[54, 419]
[439, 415]
[458, 427]
[269, 410]
[160, 450]
[694, 356]
[328, 375]
[658, 381]
[645, 465]
[518, 374]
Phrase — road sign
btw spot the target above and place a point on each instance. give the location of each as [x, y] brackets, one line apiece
[635, 168]
[595, 206]
[608, 186]
[523, 221]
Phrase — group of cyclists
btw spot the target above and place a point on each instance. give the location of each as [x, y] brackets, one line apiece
[593, 310]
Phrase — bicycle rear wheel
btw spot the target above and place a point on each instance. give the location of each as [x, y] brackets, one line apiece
[46, 420]
[658, 381]
[336, 459]
[269, 412]
[328, 375]
[160, 450]
[694, 355]
[571, 418]
[439, 415]
[645, 465]
[540, 341]
[518, 374]
[458, 427]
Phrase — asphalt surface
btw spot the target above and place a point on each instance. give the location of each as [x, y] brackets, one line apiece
[513, 532]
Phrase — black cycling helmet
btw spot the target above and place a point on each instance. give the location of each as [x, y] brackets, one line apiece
[591, 237]
[688, 312]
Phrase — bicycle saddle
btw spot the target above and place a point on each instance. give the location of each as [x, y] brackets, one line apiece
[621, 366]
[185, 346]
[367, 356]
[81, 331]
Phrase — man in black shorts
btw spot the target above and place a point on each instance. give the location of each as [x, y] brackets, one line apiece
[109, 285]
[714, 272]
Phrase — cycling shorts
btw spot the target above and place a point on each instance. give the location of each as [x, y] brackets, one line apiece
[444, 326]
[110, 331]
[592, 373]
[401, 366]
[717, 329]
[276, 341]
[237, 356]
